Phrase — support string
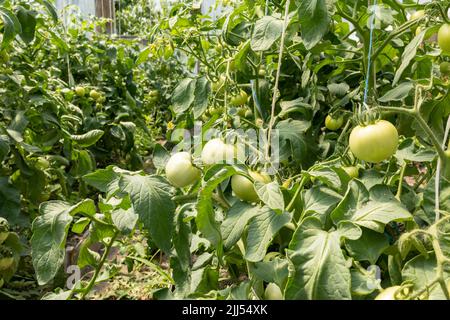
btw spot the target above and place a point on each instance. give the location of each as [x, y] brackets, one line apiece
[369, 58]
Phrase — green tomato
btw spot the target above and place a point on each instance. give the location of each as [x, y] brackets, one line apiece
[219, 84]
[333, 123]
[180, 171]
[444, 38]
[4, 230]
[216, 151]
[4, 57]
[240, 99]
[444, 67]
[94, 94]
[389, 294]
[273, 292]
[241, 112]
[5, 263]
[375, 142]
[6, 257]
[244, 189]
[248, 114]
[80, 91]
[417, 15]
[217, 111]
[96, 67]
[262, 72]
[154, 93]
[353, 172]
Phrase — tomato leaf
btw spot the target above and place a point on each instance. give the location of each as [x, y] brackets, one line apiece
[261, 230]
[373, 210]
[205, 220]
[183, 95]
[89, 138]
[317, 267]
[267, 31]
[408, 55]
[235, 222]
[50, 230]
[368, 247]
[151, 200]
[314, 21]
[270, 194]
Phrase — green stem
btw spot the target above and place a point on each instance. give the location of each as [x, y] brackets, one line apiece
[185, 197]
[431, 135]
[392, 36]
[400, 182]
[355, 23]
[291, 204]
[418, 117]
[100, 266]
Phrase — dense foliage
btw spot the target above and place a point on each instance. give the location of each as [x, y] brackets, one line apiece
[285, 150]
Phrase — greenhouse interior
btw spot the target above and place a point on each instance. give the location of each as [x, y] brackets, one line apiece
[224, 150]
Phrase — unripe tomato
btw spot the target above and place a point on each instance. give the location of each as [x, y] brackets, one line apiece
[273, 292]
[4, 230]
[80, 91]
[444, 38]
[353, 172]
[262, 72]
[217, 111]
[94, 94]
[216, 151]
[374, 142]
[180, 171]
[248, 114]
[240, 99]
[6, 258]
[241, 112]
[417, 15]
[219, 84]
[96, 67]
[444, 67]
[154, 93]
[333, 123]
[5, 263]
[102, 99]
[244, 189]
[390, 293]
[4, 57]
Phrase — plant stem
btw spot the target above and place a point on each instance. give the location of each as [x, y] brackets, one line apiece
[185, 197]
[431, 135]
[392, 36]
[418, 117]
[440, 164]
[277, 78]
[100, 266]
[291, 204]
[400, 182]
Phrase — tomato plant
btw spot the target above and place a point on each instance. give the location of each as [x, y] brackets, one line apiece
[193, 145]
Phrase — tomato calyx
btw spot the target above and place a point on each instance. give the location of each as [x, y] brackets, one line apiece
[368, 117]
